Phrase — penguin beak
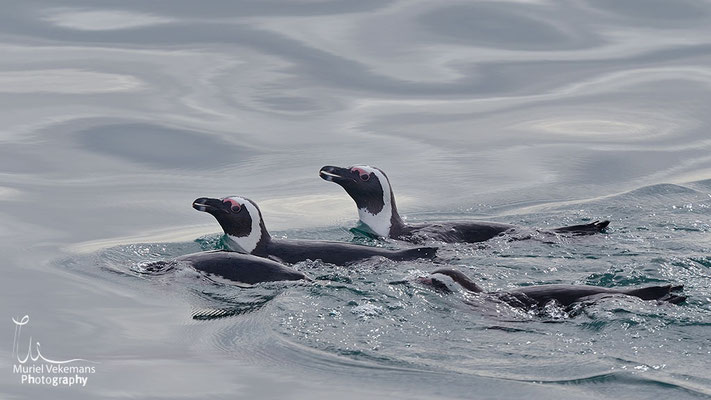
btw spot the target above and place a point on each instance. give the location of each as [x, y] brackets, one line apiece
[336, 174]
[210, 205]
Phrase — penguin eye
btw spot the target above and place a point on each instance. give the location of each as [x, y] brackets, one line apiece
[235, 207]
[364, 175]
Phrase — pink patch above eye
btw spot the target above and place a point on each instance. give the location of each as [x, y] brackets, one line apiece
[360, 171]
[364, 175]
[232, 203]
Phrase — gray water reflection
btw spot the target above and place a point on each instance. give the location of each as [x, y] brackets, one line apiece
[162, 147]
[488, 24]
[116, 115]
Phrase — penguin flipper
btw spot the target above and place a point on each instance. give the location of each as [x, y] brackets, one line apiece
[584, 229]
[662, 293]
[275, 258]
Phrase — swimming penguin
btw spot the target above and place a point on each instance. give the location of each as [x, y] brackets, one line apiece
[237, 267]
[446, 279]
[242, 222]
[373, 195]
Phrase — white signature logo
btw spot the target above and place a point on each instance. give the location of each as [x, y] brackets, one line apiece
[36, 355]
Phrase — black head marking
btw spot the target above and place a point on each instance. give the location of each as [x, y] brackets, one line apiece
[370, 188]
[460, 278]
[361, 183]
[238, 217]
[367, 191]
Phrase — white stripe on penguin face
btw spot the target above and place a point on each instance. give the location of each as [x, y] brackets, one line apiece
[379, 223]
[247, 244]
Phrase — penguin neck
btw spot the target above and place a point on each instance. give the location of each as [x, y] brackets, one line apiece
[255, 244]
[387, 222]
[256, 241]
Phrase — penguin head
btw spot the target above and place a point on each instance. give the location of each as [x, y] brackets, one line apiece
[448, 279]
[439, 282]
[370, 188]
[240, 219]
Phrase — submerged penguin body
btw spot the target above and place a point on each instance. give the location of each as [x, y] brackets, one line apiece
[293, 251]
[240, 268]
[446, 279]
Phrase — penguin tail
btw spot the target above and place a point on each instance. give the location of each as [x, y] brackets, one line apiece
[584, 229]
[419, 252]
[667, 293]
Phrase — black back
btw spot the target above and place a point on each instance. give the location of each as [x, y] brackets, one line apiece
[240, 267]
[293, 251]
